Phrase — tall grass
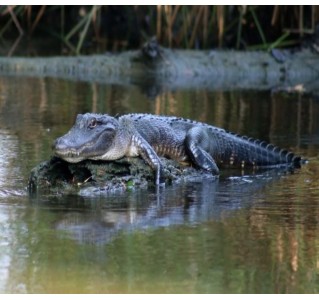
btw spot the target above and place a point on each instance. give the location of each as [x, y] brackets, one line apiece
[175, 26]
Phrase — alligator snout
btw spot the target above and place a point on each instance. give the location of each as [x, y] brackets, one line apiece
[65, 151]
[61, 147]
[58, 144]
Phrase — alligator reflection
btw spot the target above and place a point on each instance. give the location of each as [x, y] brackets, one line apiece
[99, 220]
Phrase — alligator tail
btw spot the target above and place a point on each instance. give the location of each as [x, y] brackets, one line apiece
[265, 154]
[285, 156]
[277, 155]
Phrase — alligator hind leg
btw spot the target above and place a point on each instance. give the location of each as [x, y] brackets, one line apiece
[197, 143]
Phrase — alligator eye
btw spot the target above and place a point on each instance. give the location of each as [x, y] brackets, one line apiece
[92, 123]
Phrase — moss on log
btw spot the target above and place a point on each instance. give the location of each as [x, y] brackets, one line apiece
[57, 176]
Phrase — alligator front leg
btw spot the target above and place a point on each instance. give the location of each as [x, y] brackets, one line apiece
[197, 142]
[145, 150]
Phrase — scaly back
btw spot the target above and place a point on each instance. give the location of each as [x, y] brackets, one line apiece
[225, 147]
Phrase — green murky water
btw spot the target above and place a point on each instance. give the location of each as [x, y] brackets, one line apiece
[242, 233]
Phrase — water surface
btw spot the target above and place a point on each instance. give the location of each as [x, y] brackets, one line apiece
[241, 233]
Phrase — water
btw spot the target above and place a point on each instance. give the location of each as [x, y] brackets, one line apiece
[241, 233]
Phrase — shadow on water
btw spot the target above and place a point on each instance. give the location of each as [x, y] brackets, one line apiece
[98, 220]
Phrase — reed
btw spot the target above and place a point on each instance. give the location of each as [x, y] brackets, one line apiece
[175, 26]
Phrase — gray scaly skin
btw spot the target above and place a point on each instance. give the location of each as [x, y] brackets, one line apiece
[103, 137]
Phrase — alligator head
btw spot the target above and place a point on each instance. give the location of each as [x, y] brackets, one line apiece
[91, 137]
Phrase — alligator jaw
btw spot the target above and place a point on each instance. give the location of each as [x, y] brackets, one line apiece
[69, 155]
[75, 155]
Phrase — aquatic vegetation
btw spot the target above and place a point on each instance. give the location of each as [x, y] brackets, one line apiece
[98, 28]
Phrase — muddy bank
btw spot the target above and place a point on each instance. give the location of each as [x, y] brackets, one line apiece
[180, 69]
[88, 178]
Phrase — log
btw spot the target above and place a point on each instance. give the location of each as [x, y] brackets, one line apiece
[180, 69]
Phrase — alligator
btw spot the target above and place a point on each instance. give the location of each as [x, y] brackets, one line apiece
[103, 137]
